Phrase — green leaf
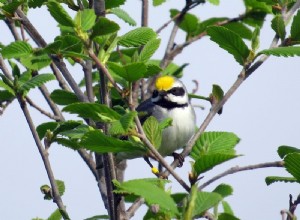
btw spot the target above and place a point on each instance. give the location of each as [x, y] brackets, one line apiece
[278, 26]
[59, 14]
[120, 13]
[134, 71]
[104, 26]
[295, 30]
[224, 190]
[189, 22]
[153, 131]
[36, 62]
[255, 39]
[66, 126]
[97, 217]
[149, 49]
[213, 143]
[63, 97]
[11, 7]
[207, 162]
[37, 81]
[214, 2]
[56, 215]
[149, 189]
[85, 19]
[98, 142]
[71, 43]
[77, 132]
[285, 150]
[16, 50]
[241, 29]
[43, 128]
[113, 4]
[137, 37]
[257, 6]
[95, 111]
[217, 92]
[7, 87]
[229, 41]
[123, 125]
[158, 2]
[69, 143]
[272, 179]
[226, 216]
[61, 187]
[36, 3]
[5, 96]
[282, 51]
[226, 207]
[205, 201]
[292, 164]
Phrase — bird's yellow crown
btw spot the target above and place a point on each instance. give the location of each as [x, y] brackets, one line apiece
[164, 83]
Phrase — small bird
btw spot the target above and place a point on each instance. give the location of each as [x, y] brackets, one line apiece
[170, 100]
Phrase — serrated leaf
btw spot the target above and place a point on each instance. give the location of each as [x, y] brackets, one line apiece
[285, 150]
[16, 50]
[56, 215]
[95, 111]
[36, 62]
[120, 13]
[152, 70]
[226, 216]
[241, 29]
[273, 179]
[61, 187]
[85, 19]
[213, 143]
[207, 162]
[149, 49]
[224, 190]
[42, 128]
[5, 96]
[278, 26]
[104, 26]
[295, 31]
[36, 3]
[189, 23]
[63, 97]
[6, 87]
[229, 41]
[59, 14]
[153, 131]
[282, 51]
[292, 164]
[134, 71]
[98, 142]
[77, 132]
[113, 4]
[205, 201]
[36, 81]
[66, 126]
[226, 207]
[149, 189]
[11, 7]
[123, 125]
[257, 6]
[214, 2]
[137, 37]
[69, 143]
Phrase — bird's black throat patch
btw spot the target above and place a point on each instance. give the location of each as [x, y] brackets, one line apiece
[169, 105]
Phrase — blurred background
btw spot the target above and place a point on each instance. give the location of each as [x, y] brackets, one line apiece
[264, 113]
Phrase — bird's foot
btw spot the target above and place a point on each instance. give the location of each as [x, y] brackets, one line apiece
[179, 157]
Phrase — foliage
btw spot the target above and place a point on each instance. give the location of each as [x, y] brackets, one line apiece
[116, 67]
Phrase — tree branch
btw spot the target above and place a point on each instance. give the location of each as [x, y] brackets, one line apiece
[237, 169]
[44, 154]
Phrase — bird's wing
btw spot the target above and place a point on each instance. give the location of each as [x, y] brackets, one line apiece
[145, 109]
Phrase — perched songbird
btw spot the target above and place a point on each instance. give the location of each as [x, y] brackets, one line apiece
[170, 100]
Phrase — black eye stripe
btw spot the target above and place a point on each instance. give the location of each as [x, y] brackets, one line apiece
[154, 94]
[177, 91]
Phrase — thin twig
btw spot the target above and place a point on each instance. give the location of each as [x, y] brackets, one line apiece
[237, 169]
[44, 154]
[42, 111]
[134, 207]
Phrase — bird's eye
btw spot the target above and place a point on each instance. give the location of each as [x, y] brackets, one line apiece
[154, 94]
[177, 91]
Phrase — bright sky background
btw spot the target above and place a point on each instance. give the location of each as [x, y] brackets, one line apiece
[264, 113]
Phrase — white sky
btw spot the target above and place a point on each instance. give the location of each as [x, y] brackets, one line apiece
[263, 113]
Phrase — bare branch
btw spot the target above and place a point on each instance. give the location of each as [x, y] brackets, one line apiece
[134, 207]
[42, 111]
[237, 169]
[44, 154]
